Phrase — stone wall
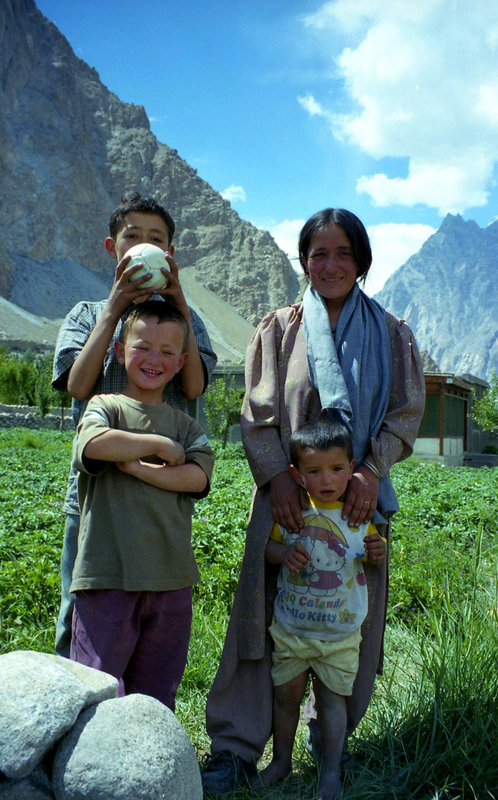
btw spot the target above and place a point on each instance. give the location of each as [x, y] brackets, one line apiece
[30, 417]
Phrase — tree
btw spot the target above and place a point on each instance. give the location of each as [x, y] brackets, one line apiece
[9, 389]
[27, 381]
[222, 407]
[485, 408]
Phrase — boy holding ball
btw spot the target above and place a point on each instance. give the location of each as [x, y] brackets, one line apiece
[85, 361]
[140, 463]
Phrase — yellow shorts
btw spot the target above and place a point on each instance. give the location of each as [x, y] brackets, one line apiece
[334, 663]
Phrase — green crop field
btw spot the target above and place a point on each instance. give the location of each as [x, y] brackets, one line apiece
[431, 729]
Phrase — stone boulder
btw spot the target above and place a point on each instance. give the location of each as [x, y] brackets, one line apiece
[41, 696]
[36, 786]
[132, 747]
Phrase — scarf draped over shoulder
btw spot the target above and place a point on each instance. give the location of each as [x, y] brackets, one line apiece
[352, 372]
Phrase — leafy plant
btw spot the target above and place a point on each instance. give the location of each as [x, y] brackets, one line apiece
[485, 408]
[27, 380]
[431, 729]
[446, 517]
[222, 407]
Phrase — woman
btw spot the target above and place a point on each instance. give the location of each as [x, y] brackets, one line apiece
[340, 354]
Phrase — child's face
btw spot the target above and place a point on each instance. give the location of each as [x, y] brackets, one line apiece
[324, 473]
[139, 228]
[152, 355]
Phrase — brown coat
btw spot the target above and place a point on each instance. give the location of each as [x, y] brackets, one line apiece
[279, 398]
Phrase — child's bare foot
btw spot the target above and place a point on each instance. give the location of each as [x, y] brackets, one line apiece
[275, 771]
[329, 787]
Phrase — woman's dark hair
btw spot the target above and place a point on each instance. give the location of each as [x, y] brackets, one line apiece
[354, 229]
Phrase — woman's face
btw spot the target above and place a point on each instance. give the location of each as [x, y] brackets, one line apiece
[331, 265]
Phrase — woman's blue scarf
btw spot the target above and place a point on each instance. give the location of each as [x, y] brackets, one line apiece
[352, 372]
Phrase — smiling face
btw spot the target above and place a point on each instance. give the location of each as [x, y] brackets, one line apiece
[152, 355]
[324, 473]
[139, 227]
[331, 267]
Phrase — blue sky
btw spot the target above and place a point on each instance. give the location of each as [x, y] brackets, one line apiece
[388, 108]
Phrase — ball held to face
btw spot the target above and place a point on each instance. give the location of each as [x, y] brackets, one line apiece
[153, 259]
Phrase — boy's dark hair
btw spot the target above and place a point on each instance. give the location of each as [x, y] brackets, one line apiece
[320, 435]
[147, 205]
[164, 311]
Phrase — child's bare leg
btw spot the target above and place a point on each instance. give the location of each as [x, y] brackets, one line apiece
[286, 709]
[332, 718]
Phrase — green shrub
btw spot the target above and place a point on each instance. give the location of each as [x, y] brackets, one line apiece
[219, 527]
[446, 521]
[485, 407]
[222, 407]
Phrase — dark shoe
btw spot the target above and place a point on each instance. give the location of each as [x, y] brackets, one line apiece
[223, 771]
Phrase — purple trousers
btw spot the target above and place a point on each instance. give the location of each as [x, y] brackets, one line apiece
[139, 637]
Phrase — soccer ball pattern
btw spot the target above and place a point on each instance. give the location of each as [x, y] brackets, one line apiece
[153, 259]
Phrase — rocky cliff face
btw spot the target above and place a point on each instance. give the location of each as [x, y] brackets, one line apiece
[447, 293]
[70, 150]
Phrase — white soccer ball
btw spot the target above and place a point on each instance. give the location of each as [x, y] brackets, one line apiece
[153, 259]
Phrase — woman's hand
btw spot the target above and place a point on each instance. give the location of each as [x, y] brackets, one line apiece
[360, 502]
[287, 501]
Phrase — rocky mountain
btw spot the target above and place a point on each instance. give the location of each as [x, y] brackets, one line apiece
[70, 149]
[447, 292]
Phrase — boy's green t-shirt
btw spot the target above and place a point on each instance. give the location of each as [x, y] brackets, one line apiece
[135, 536]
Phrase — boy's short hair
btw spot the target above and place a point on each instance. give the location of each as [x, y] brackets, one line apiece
[164, 311]
[320, 435]
[147, 205]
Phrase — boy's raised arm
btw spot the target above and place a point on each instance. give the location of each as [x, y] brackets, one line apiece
[86, 368]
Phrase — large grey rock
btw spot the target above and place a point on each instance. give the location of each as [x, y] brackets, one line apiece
[132, 748]
[41, 696]
[36, 786]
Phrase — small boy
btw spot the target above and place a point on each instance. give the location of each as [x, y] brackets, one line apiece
[141, 462]
[321, 602]
[85, 361]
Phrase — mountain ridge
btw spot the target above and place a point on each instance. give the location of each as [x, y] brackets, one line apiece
[72, 150]
[447, 293]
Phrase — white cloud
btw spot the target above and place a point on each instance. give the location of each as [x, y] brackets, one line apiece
[234, 193]
[424, 88]
[286, 235]
[313, 108]
[392, 245]
[450, 187]
[339, 12]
